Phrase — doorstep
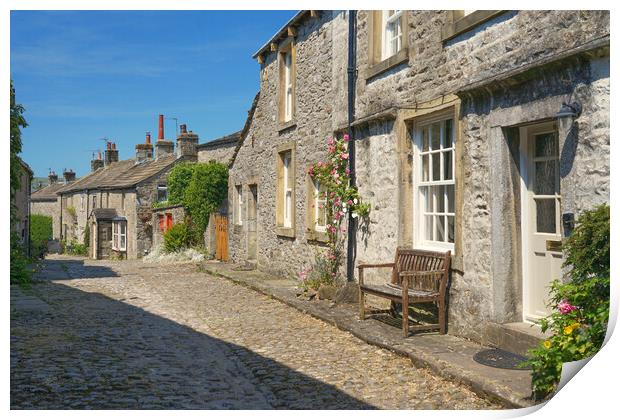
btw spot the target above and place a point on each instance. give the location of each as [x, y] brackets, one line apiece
[515, 337]
[448, 356]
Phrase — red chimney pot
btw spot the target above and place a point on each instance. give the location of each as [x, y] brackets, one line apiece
[160, 134]
[148, 137]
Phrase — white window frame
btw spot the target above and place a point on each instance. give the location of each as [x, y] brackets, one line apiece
[239, 206]
[318, 202]
[287, 56]
[419, 197]
[392, 31]
[287, 191]
[119, 235]
[162, 187]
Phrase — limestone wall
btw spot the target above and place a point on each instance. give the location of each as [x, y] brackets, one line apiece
[221, 154]
[178, 216]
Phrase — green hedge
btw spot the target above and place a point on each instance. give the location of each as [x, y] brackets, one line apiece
[40, 233]
[178, 238]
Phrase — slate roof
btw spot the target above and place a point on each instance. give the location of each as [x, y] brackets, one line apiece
[121, 174]
[227, 139]
[48, 193]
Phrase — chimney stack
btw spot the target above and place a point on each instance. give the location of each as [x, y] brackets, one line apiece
[52, 177]
[144, 151]
[187, 144]
[69, 175]
[96, 163]
[111, 154]
[162, 147]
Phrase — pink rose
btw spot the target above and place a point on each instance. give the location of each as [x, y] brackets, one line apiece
[344, 156]
[330, 141]
[350, 202]
[347, 171]
[564, 307]
[346, 137]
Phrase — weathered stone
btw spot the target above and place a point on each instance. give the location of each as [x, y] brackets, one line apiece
[327, 291]
[349, 293]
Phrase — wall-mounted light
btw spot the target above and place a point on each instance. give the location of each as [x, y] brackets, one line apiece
[572, 110]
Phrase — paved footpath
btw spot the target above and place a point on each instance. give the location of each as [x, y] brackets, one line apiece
[126, 334]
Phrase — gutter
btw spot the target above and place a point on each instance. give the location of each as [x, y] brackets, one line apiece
[351, 76]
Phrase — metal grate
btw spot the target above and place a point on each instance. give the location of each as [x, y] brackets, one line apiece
[499, 358]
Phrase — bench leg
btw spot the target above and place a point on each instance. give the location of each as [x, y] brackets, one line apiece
[362, 304]
[442, 317]
[405, 312]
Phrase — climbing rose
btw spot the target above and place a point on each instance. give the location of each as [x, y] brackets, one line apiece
[344, 156]
[565, 307]
[346, 137]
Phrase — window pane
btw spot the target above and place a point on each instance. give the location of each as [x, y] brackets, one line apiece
[425, 139]
[428, 206]
[436, 163]
[428, 231]
[440, 228]
[450, 198]
[546, 145]
[545, 215]
[435, 136]
[448, 134]
[447, 165]
[451, 229]
[545, 177]
[438, 192]
[425, 167]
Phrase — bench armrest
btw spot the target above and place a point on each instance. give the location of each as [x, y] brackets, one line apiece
[364, 265]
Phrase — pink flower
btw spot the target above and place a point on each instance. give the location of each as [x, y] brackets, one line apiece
[330, 141]
[344, 156]
[350, 202]
[346, 137]
[319, 164]
[347, 171]
[331, 149]
[336, 176]
[564, 307]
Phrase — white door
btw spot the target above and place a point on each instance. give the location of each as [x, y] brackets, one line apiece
[542, 256]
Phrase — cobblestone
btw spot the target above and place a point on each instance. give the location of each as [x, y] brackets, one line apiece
[126, 334]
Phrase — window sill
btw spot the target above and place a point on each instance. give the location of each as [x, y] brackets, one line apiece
[285, 231]
[317, 236]
[393, 61]
[283, 126]
[464, 24]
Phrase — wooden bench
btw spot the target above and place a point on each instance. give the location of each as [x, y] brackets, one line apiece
[417, 276]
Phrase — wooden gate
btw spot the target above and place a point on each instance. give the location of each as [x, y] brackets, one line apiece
[221, 237]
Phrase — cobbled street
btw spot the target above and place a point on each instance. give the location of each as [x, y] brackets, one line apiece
[127, 334]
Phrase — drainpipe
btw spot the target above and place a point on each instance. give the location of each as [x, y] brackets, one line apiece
[351, 72]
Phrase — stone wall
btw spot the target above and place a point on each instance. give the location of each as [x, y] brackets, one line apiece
[22, 207]
[221, 153]
[320, 108]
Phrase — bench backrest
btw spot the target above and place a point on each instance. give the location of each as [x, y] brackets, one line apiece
[420, 260]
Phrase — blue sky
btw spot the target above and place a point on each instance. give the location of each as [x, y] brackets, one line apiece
[85, 75]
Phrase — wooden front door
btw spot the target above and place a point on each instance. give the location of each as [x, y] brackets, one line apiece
[221, 237]
[542, 254]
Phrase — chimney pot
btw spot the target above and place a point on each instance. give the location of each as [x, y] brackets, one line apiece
[148, 137]
[183, 128]
[160, 133]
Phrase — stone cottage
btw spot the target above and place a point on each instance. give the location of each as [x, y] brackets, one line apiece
[481, 132]
[111, 208]
[21, 200]
[45, 201]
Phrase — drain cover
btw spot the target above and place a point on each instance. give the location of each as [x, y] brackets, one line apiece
[500, 359]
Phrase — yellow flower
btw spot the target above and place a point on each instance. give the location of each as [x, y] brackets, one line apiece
[547, 344]
[568, 330]
[575, 325]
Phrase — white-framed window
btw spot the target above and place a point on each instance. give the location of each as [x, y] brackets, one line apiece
[434, 186]
[162, 193]
[239, 206]
[392, 33]
[287, 190]
[320, 212]
[288, 86]
[119, 235]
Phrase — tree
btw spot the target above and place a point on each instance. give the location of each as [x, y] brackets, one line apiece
[17, 122]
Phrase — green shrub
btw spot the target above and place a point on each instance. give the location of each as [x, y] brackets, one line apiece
[19, 262]
[580, 307]
[178, 181]
[40, 233]
[177, 238]
[75, 248]
[205, 193]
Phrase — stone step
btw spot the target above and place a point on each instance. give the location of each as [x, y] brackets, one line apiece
[515, 337]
